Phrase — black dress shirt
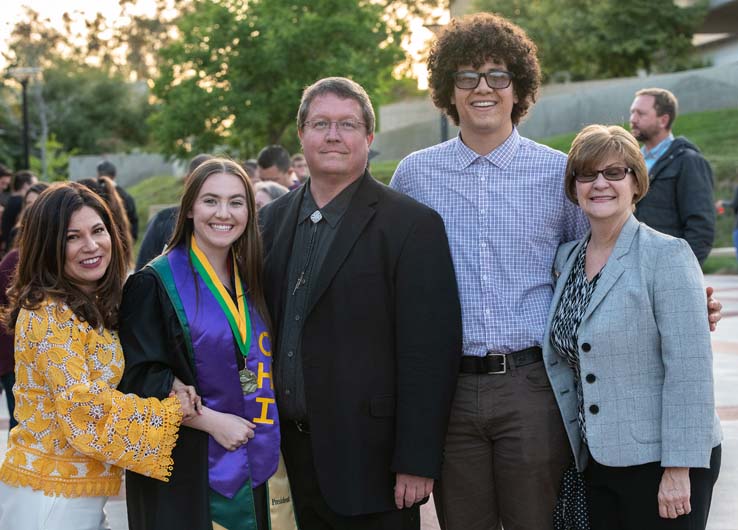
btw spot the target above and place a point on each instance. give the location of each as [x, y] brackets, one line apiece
[309, 249]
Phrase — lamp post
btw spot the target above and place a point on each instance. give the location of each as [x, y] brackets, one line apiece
[24, 75]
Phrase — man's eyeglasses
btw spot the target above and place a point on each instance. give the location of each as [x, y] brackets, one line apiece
[346, 126]
[610, 173]
[468, 80]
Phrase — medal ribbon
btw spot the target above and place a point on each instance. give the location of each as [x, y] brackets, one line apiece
[238, 316]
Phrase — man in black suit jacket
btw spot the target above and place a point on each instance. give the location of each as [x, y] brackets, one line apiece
[363, 299]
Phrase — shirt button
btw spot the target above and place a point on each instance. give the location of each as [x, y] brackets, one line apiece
[591, 378]
[297, 317]
[483, 245]
[594, 409]
[482, 179]
[288, 392]
[484, 277]
[486, 311]
[291, 353]
[586, 347]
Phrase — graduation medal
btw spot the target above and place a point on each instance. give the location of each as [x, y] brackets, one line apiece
[236, 313]
[248, 381]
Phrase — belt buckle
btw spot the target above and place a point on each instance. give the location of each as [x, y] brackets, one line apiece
[504, 363]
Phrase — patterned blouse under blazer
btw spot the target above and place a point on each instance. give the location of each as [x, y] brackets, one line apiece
[644, 355]
[75, 430]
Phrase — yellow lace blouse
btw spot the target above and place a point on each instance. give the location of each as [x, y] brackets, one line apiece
[75, 431]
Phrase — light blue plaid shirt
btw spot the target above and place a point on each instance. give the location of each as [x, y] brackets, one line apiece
[505, 214]
[654, 154]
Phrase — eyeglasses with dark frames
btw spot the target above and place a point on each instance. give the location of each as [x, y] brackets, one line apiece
[469, 80]
[610, 173]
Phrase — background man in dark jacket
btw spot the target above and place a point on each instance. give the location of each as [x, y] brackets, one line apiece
[679, 201]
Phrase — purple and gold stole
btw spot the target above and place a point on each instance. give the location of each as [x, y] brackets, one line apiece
[219, 329]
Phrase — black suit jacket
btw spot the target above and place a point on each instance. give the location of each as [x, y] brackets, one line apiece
[381, 342]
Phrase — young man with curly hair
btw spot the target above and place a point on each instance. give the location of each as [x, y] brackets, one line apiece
[502, 200]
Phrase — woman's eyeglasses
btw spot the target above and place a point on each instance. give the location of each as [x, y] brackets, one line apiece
[610, 173]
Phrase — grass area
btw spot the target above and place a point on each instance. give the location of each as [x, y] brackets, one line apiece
[154, 190]
[384, 170]
[720, 265]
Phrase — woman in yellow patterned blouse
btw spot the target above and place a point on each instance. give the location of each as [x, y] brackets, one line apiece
[75, 431]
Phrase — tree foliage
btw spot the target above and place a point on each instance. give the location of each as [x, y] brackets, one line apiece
[88, 103]
[229, 73]
[590, 39]
[235, 75]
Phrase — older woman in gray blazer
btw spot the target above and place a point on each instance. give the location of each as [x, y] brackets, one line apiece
[628, 350]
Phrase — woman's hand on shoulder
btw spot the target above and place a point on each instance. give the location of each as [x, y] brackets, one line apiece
[674, 492]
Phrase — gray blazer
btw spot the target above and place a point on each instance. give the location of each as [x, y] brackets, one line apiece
[645, 356]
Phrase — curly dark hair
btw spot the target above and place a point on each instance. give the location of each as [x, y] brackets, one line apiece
[474, 40]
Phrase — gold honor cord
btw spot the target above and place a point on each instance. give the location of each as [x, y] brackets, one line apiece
[236, 313]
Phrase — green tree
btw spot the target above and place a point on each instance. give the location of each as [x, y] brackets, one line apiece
[95, 112]
[235, 75]
[57, 161]
[590, 39]
[90, 108]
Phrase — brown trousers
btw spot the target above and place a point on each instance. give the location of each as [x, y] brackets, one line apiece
[505, 454]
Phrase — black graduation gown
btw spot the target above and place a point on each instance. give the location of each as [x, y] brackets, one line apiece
[155, 351]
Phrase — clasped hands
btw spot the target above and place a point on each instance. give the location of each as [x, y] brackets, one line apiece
[229, 430]
[189, 402]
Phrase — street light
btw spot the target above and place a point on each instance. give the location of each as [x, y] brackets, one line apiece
[24, 75]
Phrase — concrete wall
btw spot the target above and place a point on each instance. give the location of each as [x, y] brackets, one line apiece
[568, 107]
[130, 168]
[720, 52]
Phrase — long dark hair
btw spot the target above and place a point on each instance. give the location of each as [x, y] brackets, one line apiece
[248, 248]
[42, 256]
[105, 188]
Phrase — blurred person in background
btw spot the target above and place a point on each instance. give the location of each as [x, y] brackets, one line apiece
[107, 169]
[266, 192]
[251, 167]
[6, 176]
[275, 166]
[22, 180]
[300, 167]
[8, 266]
[721, 205]
[680, 198]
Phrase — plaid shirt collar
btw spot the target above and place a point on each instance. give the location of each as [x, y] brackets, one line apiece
[502, 156]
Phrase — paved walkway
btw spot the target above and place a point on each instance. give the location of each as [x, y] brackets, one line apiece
[724, 513]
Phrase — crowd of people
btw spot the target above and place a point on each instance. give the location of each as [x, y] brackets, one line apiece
[523, 334]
